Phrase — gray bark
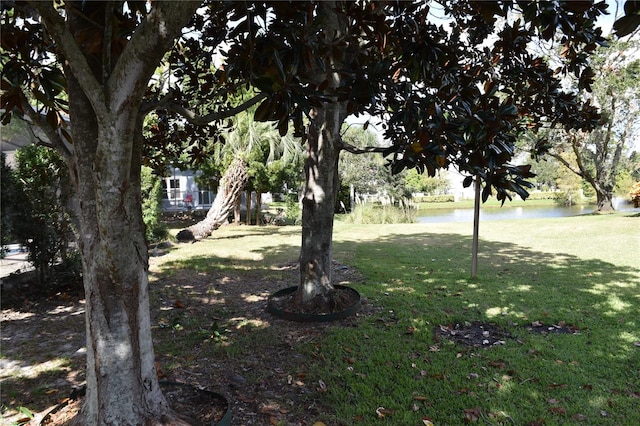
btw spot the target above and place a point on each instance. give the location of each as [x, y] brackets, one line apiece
[104, 103]
[321, 183]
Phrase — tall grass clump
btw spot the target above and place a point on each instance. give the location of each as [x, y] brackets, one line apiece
[369, 213]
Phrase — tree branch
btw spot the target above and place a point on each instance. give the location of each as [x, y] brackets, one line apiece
[55, 140]
[147, 46]
[202, 120]
[56, 26]
[566, 164]
[355, 150]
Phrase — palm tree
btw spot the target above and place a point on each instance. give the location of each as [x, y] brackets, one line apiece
[249, 146]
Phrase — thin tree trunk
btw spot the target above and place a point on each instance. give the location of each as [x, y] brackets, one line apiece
[476, 228]
[236, 212]
[247, 204]
[231, 184]
[258, 207]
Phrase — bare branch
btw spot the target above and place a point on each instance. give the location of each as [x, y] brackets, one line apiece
[76, 60]
[355, 150]
[55, 140]
[202, 120]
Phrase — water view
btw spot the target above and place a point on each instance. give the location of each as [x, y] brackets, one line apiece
[506, 212]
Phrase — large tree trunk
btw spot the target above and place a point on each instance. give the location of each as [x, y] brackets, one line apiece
[604, 199]
[122, 385]
[318, 203]
[105, 93]
[231, 184]
[321, 186]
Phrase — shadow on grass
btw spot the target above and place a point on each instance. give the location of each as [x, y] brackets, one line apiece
[210, 324]
[423, 278]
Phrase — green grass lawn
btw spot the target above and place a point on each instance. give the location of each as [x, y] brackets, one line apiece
[581, 273]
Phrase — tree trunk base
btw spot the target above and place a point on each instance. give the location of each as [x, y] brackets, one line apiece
[343, 302]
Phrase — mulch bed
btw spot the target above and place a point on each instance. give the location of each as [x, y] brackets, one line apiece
[199, 407]
[343, 298]
[484, 334]
[475, 334]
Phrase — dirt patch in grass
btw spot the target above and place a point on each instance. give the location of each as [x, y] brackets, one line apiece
[484, 334]
[210, 330]
[560, 328]
[475, 334]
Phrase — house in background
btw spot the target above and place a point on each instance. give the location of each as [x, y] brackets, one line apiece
[16, 135]
[181, 192]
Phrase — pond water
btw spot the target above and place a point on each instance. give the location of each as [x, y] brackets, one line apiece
[506, 212]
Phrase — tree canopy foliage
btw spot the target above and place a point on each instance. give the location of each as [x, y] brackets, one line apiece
[452, 92]
[447, 96]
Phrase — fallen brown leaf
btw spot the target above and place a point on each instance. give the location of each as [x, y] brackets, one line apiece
[383, 412]
[558, 410]
[472, 415]
[557, 386]
[579, 417]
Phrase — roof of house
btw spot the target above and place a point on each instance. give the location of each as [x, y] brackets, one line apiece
[18, 133]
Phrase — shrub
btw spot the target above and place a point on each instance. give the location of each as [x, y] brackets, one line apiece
[151, 187]
[293, 213]
[43, 224]
[546, 195]
[9, 199]
[368, 213]
[434, 199]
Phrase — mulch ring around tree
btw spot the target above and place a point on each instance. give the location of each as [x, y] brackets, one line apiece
[345, 301]
[484, 334]
[197, 406]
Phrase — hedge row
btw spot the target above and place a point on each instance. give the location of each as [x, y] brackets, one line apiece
[546, 195]
[538, 195]
[434, 199]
